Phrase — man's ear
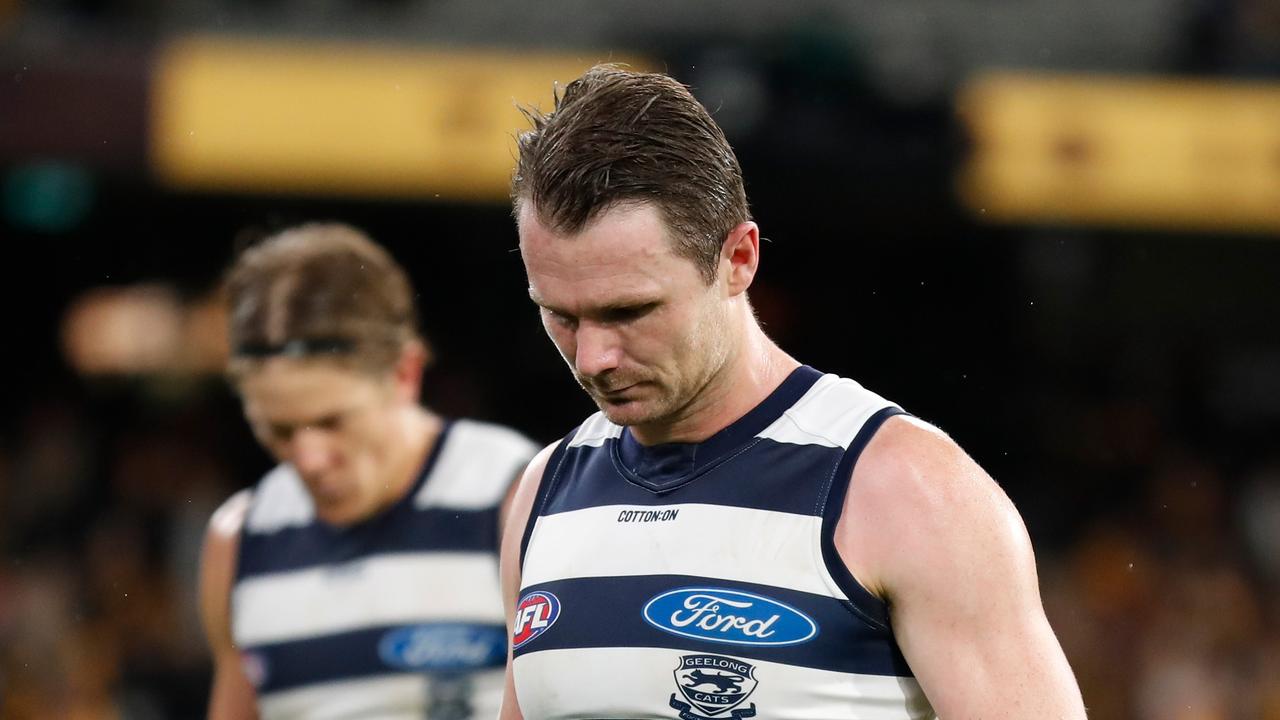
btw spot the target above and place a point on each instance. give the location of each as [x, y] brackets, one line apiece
[414, 358]
[739, 257]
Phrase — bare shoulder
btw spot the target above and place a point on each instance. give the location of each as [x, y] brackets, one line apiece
[218, 567]
[519, 507]
[915, 466]
[931, 533]
[917, 503]
[231, 695]
[516, 519]
[230, 515]
[222, 538]
[526, 491]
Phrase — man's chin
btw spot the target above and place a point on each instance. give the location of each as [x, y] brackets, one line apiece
[339, 513]
[625, 413]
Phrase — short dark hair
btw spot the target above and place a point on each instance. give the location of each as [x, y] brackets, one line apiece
[319, 291]
[616, 136]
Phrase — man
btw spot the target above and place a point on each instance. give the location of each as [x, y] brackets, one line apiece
[359, 578]
[734, 534]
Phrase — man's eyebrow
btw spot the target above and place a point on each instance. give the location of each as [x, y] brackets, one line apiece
[624, 303]
[540, 302]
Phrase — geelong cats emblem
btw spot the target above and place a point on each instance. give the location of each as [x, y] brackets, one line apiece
[714, 685]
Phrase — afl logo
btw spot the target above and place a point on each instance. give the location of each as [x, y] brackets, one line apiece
[728, 616]
[535, 614]
[254, 665]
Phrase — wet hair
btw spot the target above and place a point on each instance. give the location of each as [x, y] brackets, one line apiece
[616, 137]
[319, 291]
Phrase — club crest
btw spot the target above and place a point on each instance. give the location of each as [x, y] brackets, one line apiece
[714, 685]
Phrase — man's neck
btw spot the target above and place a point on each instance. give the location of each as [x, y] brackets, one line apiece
[753, 371]
[418, 430]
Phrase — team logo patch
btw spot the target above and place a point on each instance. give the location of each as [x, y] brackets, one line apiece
[713, 685]
[728, 616]
[444, 647]
[535, 614]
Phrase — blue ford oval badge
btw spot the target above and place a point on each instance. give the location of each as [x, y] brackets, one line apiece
[729, 616]
[444, 647]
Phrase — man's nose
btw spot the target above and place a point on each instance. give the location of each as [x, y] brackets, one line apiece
[310, 451]
[597, 350]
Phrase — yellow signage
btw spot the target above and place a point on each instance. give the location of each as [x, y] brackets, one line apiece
[1139, 152]
[340, 118]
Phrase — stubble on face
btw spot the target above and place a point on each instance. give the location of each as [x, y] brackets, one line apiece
[666, 391]
[662, 362]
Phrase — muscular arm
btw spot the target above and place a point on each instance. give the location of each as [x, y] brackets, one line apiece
[232, 697]
[517, 515]
[929, 531]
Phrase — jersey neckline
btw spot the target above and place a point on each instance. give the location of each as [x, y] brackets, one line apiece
[406, 500]
[667, 466]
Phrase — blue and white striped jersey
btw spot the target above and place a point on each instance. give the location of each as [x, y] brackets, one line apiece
[701, 581]
[399, 616]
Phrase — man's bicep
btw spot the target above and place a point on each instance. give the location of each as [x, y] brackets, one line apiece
[977, 639]
[947, 549]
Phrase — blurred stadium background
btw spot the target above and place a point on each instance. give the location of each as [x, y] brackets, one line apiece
[1051, 228]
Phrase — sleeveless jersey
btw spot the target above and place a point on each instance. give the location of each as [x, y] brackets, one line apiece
[399, 616]
[701, 581]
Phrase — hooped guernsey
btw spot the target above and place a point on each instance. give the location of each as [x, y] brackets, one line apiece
[700, 581]
[398, 617]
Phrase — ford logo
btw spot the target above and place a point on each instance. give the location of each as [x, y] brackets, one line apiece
[444, 647]
[728, 616]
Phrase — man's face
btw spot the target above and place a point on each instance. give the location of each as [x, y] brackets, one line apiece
[334, 425]
[639, 326]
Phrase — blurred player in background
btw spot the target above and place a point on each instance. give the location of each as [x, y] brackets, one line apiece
[764, 539]
[359, 577]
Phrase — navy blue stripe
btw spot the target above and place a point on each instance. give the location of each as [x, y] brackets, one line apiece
[868, 606]
[768, 468]
[429, 464]
[375, 651]
[406, 530]
[608, 612]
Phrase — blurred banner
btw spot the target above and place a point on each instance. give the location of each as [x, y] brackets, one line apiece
[143, 329]
[346, 119]
[1180, 154]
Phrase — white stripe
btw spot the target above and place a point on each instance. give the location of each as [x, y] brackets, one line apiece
[381, 590]
[388, 697]
[476, 465]
[595, 431]
[639, 682]
[831, 414]
[279, 501]
[713, 541]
